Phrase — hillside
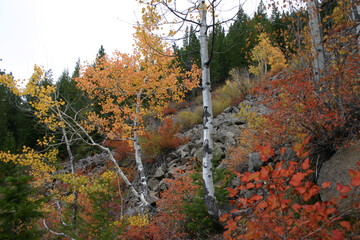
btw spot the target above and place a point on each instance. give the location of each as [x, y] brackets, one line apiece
[249, 129]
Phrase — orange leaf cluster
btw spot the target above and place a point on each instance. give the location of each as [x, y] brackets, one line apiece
[127, 88]
[280, 206]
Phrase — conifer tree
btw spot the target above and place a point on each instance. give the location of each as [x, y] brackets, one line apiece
[19, 208]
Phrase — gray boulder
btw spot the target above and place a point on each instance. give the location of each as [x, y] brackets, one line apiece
[254, 162]
[336, 170]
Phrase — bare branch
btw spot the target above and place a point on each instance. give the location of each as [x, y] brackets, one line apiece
[56, 233]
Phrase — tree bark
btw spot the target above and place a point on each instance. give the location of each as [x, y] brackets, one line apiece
[355, 16]
[317, 41]
[207, 167]
[140, 167]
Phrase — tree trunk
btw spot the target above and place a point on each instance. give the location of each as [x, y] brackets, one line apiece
[75, 192]
[140, 167]
[72, 165]
[207, 168]
[317, 41]
[355, 16]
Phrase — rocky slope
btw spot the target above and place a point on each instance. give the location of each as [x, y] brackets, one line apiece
[227, 128]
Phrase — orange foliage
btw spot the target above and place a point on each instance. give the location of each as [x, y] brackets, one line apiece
[239, 154]
[298, 107]
[162, 140]
[122, 149]
[129, 87]
[169, 223]
[283, 210]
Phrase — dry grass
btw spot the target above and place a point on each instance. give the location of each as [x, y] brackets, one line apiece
[235, 89]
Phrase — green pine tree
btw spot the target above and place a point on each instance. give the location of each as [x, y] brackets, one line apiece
[18, 209]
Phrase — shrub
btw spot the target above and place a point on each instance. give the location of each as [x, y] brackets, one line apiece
[239, 83]
[188, 119]
[220, 104]
[238, 156]
[100, 202]
[298, 106]
[199, 223]
[164, 139]
[122, 149]
[289, 209]
[170, 222]
[138, 220]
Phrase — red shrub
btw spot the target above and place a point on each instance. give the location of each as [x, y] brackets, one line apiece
[166, 138]
[286, 208]
[169, 223]
[121, 148]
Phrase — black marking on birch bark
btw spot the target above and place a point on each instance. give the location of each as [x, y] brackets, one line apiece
[207, 149]
[206, 115]
[211, 204]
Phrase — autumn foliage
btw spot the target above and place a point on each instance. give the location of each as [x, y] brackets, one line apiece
[283, 203]
[161, 140]
[170, 222]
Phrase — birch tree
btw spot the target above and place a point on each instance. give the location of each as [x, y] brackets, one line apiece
[130, 87]
[179, 14]
[316, 35]
[207, 167]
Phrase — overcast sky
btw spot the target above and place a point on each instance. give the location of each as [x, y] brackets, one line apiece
[55, 33]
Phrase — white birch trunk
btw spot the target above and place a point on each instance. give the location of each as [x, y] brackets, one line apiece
[316, 40]
[207, 168]
[140, 167]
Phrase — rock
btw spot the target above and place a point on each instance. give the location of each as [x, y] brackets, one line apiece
[235, 182]
[236, 110]
[289, 154]
[254, 162]
[173, 156]
[152, 198]
[183, 151]
[174, 162]
[198, 154]
[173, 170]
[160, 187]
[198, 143]
[336, 170]
[159, 173]
[193, 151]
[153, 183]
[218, 153]
[133, 211]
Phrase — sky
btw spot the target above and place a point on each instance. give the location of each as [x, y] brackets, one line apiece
[56, 33]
